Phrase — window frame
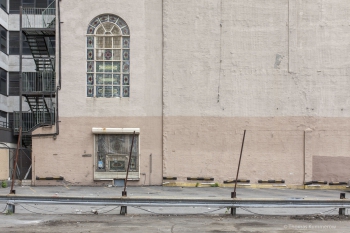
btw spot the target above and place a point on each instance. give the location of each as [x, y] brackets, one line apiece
[115, 82]
[4, 7]
[13, 78]
[14, 44]
[3, 39]
[4, 124]
[3, 79]
[111, 175]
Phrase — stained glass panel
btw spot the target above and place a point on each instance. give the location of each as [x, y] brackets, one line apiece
[126, 54]
[116, 91]
[108, 54]
[126, 42]
[100, 31]
[90, 66]
[116, 54]
[108, 66]
[116, 79]
[99, 91]
[121, 23]
[126, 66]
[108, 91]
[99, 78]
[115, 30]
[108, 42]
[90, 79]
[100, 54]
[125, 30]
[95, 22]
[90, 91]
[90, 30]
[126, 79]
[116, 41]
[112, 18]
[90, 42]
[108, 79]
[108, 60]
[116, 66]
[90, 54]
[99, 42]
[125, 91]
[104, 18]
[99, 66]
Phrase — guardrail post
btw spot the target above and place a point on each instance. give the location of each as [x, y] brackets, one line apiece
[233, 209]
[124, 209]
[342, 210]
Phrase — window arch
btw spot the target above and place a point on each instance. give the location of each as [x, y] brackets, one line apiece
[108, 57]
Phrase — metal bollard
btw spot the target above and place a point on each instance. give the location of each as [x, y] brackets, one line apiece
[342, 210]
[124, 209]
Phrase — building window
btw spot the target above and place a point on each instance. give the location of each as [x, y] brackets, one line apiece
[13, 83]
[3, 5]
[14, 44]
[3, 39]
[112, 153]
[3, 82]
[3, 119]
[108, 57]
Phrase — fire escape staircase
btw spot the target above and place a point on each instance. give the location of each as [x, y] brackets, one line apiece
[38, 88]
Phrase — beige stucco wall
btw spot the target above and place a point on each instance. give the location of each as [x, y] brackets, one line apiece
[275, 68]
[204, 71]
[64, 156]
[4, 163]
[79, 114]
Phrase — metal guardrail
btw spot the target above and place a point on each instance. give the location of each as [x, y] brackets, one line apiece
[39, 17]
[42, 81]
[178, 202]
[31, 120]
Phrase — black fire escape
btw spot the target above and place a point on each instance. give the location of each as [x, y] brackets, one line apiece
[37, 89]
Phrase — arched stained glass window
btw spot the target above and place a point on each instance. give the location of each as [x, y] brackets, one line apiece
[108, 57]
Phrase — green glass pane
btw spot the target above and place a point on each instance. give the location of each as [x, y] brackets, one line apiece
[108, 67]
[108, 91]
[116, 79]
[108, 79]
[116, 91]
[99, 78]
[116, 66]
[99, 91]
[100, 66]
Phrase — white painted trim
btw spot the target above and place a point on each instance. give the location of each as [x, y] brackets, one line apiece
[115, 130]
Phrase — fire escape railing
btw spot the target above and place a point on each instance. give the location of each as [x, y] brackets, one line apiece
[38, 88]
